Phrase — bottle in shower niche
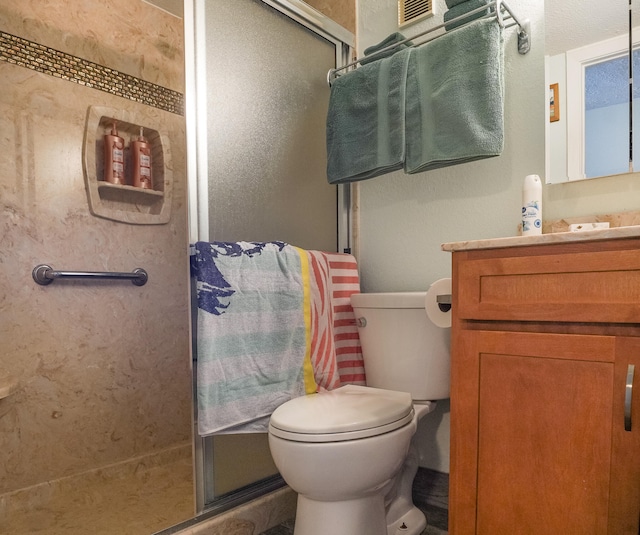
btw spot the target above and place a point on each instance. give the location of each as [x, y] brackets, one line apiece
[141, 162]
[114, 156]
[532, 206]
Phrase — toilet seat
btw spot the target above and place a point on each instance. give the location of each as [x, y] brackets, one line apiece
[347, 413]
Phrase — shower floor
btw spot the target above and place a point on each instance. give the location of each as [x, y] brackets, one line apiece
[136, 499]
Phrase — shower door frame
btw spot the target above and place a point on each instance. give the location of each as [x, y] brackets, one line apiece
[197, 173]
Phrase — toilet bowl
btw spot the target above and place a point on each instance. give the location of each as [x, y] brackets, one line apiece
[348, 453]
[339, 451]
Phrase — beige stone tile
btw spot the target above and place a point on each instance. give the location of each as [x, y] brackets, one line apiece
[132, 37]
[140, 496]
[102, 369]
[344, 13]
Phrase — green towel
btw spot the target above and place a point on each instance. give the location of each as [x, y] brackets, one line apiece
[452, 3]
[366, 120]
[396, 37]
[460, 9]
[455, 98]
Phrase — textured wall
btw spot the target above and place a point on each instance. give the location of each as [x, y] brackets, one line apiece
[132, 37]
[405, 218]
[415, 213]
[102, 368]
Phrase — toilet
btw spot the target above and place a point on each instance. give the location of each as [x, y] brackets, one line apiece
[348, 453]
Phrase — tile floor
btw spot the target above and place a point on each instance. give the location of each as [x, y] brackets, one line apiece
[430, 494]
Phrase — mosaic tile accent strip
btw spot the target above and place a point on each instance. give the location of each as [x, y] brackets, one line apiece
[46, 60]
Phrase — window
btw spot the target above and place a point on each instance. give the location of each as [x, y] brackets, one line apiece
[598, 125]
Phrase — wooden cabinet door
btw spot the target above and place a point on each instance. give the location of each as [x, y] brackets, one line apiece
[544, 447]
[624, 499]
[546, 408]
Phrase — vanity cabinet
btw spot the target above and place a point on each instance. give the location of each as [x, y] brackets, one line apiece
[545, 432]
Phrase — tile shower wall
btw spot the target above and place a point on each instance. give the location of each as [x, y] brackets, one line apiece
[344, 13]
[102, 369]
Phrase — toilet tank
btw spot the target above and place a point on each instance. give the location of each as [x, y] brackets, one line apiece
[402, 348]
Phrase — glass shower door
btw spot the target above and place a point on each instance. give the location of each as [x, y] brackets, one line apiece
[267, 102]
[262, 96]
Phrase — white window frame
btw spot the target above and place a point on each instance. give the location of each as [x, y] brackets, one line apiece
[577, 62]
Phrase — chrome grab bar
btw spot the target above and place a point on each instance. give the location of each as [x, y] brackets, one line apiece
[44, 274]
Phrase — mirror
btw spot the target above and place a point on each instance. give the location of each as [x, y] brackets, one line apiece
[587, 73]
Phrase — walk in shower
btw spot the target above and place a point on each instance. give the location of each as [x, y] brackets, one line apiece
[95, 390]
[96, 424]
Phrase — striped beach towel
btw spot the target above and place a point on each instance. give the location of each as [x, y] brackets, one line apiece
[344, 281]
[323, 349]
[274, 322]
[253, 333]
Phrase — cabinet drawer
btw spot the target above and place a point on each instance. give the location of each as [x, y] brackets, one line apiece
[597, 286]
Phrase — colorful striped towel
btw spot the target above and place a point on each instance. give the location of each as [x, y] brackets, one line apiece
[323, 348]
[274, 322]
[336, 355]
[344, 282]
[253, 333]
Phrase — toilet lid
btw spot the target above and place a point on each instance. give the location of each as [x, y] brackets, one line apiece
[347, 413]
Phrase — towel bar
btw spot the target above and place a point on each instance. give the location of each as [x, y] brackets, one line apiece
[44, 274]
[524, 32]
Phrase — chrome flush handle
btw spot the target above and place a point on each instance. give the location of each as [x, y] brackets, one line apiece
[628, 396]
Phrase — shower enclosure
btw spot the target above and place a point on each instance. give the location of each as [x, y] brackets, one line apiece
[257, 98]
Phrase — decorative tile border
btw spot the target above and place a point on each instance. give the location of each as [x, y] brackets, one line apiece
[43, 59]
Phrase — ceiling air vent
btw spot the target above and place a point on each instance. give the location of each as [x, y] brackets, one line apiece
[410, 11]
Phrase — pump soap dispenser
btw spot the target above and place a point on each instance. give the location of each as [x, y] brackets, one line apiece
[141, 162]
[114, 156]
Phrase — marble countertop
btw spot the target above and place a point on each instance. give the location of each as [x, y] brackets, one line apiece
[545, 239]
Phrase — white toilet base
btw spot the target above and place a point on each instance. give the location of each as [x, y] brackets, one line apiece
[403, 517]
[354, 487]
[412, 523]
[362, 516]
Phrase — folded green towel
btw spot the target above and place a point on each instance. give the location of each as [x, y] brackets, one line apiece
[455, 98]
[451, 3]
[366, 120]
[462, 8]
[396, 37]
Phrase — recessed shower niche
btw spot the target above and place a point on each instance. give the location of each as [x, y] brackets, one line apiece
[124, 202]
